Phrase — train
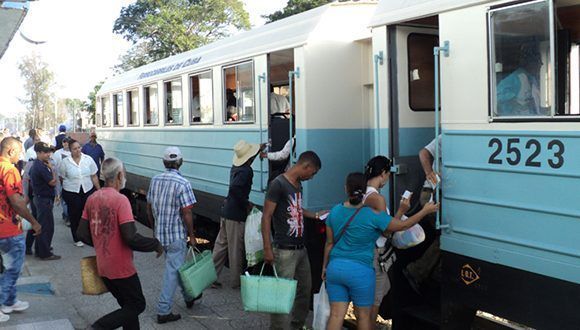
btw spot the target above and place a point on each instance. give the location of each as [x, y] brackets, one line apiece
[366, 78]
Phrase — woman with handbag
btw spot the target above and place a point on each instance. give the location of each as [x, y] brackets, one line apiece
[351, 232]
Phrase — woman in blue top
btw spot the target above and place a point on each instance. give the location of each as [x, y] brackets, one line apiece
[348, 264]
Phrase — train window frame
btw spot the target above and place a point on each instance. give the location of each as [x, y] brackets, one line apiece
[105, 111]
[224, 91]
[211, 98]
[118, 113]
[129, 98]
[411, 71]
[165, 103]
[147, 105]
[555, 113]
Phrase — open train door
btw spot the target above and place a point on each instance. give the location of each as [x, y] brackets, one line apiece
[412, 123]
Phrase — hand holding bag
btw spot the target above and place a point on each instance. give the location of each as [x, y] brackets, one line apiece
[268, 294]
[198, 273]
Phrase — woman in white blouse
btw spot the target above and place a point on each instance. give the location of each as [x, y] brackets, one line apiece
[79, 180]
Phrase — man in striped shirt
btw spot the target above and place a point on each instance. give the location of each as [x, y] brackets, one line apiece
[169, 203]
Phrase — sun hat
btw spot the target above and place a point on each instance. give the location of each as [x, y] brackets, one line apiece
[172, 154]
[243, 151]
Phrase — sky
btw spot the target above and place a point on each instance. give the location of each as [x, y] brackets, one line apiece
[80, 47]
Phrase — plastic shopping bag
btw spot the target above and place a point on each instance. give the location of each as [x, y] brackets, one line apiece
[321, 309]
[253, 238]
[410, 237]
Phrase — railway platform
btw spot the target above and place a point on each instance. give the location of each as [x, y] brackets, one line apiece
[53, 289]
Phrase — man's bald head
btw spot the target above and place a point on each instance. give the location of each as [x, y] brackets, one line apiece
[11, 148]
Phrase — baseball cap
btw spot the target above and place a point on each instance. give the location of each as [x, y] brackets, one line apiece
[172, 154]
[43, 147]
[62, 128]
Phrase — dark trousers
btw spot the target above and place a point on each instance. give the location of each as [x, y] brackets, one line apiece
[130, 297]
[30, 234]
[76, 204]
[45, 217]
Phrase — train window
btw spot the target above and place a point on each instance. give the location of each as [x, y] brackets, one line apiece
[201, 98]
[118, 109]
[520, 61]
[173, 102]
[151, 104]
[133, 104]
[105, 110]
[239, 93]
[421, 71]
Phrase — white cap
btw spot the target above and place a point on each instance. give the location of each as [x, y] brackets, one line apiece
[172, 154]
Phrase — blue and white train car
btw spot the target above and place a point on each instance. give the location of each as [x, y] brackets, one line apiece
[510, 125]
[207, 99]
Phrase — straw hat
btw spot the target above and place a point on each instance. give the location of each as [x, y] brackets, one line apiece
[244, 151]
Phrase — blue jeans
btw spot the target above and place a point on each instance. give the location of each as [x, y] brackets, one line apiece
[12, 249]
[45, 217]
[174, 258]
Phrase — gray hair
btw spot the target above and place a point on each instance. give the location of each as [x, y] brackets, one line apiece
[111, 168]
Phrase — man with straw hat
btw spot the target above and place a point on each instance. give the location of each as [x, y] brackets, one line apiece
[235, 209]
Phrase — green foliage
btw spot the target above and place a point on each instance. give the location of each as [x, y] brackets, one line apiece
[294, 7]
[91, 106]
[37, 88]
[160, 28]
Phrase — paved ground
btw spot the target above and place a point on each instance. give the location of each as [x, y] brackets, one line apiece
[67, 308]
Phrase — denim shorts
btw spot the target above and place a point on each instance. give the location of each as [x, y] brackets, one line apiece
[348, 280]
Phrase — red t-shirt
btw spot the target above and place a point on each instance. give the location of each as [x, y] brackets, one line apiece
[10, 184]
[106, 210]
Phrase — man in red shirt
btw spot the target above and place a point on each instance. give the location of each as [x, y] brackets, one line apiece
[12, 245]
[107, 224]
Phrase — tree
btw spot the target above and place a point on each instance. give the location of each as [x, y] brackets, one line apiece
[294, 7]
[91, 106]
[38, 100]
[160, 28]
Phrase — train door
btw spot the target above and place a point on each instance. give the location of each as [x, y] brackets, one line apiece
[280, 64]
[412, 105]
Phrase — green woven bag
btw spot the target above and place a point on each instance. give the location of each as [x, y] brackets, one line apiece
[268, 294]
[198, 273]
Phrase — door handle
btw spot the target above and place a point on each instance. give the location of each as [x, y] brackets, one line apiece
[399, 169]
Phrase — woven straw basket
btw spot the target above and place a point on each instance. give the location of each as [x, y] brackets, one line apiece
[92, 283]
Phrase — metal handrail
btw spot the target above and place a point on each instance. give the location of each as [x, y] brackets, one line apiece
[445, 51]
[291, 74]
[261, 78]
[379, 59]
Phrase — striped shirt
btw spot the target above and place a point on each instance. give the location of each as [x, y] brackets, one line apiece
[168, 194]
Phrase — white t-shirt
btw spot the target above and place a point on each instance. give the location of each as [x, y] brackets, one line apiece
[76, 175]
[279, 103]
[431, 149]
[30, 154]
[59, 155]
[372, 190]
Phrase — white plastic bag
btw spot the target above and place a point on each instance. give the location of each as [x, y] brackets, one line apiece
[409, 238]
[253, 238]
[321, 309]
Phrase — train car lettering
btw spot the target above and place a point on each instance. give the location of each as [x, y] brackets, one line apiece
[468, 274]
[514, 154]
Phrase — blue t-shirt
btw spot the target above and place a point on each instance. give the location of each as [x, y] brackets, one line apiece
[358, 241]
[40, 176]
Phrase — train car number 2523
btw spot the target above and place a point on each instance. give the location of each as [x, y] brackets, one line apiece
[518, 151]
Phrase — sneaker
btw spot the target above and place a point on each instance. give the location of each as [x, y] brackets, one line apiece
[190, 303]
[18, 306]
[52, 257]
[167, 318]
[4, 317]
[79, 244]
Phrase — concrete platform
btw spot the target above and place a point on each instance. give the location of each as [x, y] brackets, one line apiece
[67, 308]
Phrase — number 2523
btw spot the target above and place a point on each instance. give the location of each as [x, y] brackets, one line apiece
[533, 147]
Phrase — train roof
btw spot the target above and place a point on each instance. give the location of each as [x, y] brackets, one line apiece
[396, 11]
[11, 15]
[294, 31]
